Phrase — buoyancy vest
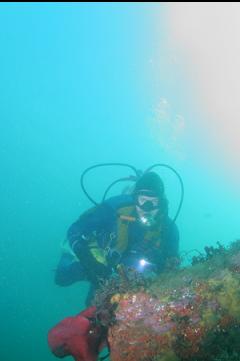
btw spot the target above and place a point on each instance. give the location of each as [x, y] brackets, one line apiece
[119, 242]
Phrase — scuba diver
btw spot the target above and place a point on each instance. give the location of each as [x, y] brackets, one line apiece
[133, 230]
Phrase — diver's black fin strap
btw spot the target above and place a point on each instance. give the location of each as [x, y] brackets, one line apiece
[107, 355]
[104, 357]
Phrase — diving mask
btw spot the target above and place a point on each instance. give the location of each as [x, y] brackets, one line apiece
[147, 206]
[147, 202]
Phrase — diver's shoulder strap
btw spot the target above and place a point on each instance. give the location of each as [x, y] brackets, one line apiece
[124, 218]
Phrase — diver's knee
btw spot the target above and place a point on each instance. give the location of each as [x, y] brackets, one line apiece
[68, 274]
[61, 279]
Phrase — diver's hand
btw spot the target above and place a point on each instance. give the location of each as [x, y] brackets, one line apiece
[98, 271]
[102, 270]
[140, 265]
[113, 258]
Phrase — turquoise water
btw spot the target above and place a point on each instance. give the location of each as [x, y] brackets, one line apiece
[82, 84]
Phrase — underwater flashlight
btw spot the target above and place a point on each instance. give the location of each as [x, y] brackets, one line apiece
[147, 269]
[142, 264]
